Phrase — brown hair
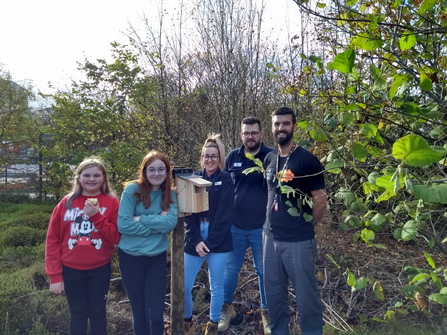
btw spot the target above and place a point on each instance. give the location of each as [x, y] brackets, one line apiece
[89, 162]
[213, 141]
[145, 185]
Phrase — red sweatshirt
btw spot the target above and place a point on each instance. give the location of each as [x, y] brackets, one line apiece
[80, 242]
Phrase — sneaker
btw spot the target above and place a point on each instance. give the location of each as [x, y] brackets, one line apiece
[226, 316]
[265, 321]
[211, 328]
[190, 328]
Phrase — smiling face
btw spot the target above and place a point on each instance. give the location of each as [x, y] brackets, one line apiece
[156, 174]
[91, 180]
[251, 137]
[283, 128]
[210, 159]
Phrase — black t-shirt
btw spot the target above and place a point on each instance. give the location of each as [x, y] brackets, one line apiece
[250, 191]
[280, 225]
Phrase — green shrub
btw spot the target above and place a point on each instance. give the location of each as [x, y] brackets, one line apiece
[25, 298]
[38, 220]
[21, 236]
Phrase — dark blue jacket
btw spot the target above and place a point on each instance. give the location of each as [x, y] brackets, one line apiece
[250, 191]
[220, 214]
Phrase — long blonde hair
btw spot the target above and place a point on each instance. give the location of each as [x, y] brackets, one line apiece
[213, 141]
[76, 191]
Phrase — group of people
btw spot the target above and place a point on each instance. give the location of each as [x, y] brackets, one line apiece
[245, 210]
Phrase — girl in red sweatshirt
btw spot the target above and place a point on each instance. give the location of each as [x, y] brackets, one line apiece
[81, 239]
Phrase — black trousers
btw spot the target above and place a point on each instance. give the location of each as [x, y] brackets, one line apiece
[144, 278]
[86, 292]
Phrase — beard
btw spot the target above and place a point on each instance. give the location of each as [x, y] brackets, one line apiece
[252, 145]
[283, 140]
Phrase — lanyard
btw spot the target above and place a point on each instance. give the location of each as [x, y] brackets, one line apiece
[278, 191]
[292, 149]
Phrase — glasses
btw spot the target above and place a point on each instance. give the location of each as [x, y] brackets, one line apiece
[152, 171]
[252, 134]
[212, 157]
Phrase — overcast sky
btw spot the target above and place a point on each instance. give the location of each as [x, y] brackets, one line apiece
[41, 40]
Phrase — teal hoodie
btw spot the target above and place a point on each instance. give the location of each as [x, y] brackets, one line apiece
[148, 236]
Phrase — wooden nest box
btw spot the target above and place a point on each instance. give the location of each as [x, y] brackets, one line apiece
[192, 196]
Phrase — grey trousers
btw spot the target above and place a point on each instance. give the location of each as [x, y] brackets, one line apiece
[294, 260]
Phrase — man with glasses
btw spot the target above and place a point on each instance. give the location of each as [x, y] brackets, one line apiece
[250, 199]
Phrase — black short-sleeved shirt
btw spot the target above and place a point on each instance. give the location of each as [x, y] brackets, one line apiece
[280, 225]
[250, 190]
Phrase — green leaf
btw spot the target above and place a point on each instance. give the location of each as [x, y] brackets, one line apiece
[318, 135]
[351, 2]
[409, 231]
[333, 261]
[359, 152]
[293, 211]
[369, 130]
[346, 117]
[397, 234]
[379, 81]
[367, 42]
[399, 80]
[359, 284]
[378, 219]
[439, 298]
[415, 151]
[410, 290]
[431, 243]
[307, 217]
[351, 278]
[407, 41]
[344, 61]
[425, 82]
[351, 90]
[431, 193]
[321, 5]
[412, 108]
[367, 235]
[334, 167]
[426, 5]
[252, 169]
[429, 260]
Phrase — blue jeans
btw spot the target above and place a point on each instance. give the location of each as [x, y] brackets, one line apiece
[144, 278]
[216, 269]
[86, 292]
[242, 239]
[294, 261]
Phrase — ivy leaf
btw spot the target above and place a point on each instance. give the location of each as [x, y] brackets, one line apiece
[426, 5]
[425, 82]
[431, 193]
[407, 41]
[344, 61]
[409, 230]
[415, 151]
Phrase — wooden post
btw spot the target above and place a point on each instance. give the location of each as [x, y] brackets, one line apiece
[177, 279]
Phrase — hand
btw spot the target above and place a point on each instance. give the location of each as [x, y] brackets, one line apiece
[202, 249]
[136, 218]
[57, 288]
[164, 213]
[90, 209]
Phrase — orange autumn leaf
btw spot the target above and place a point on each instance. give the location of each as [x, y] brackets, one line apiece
[285, 176]
[249, 312]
